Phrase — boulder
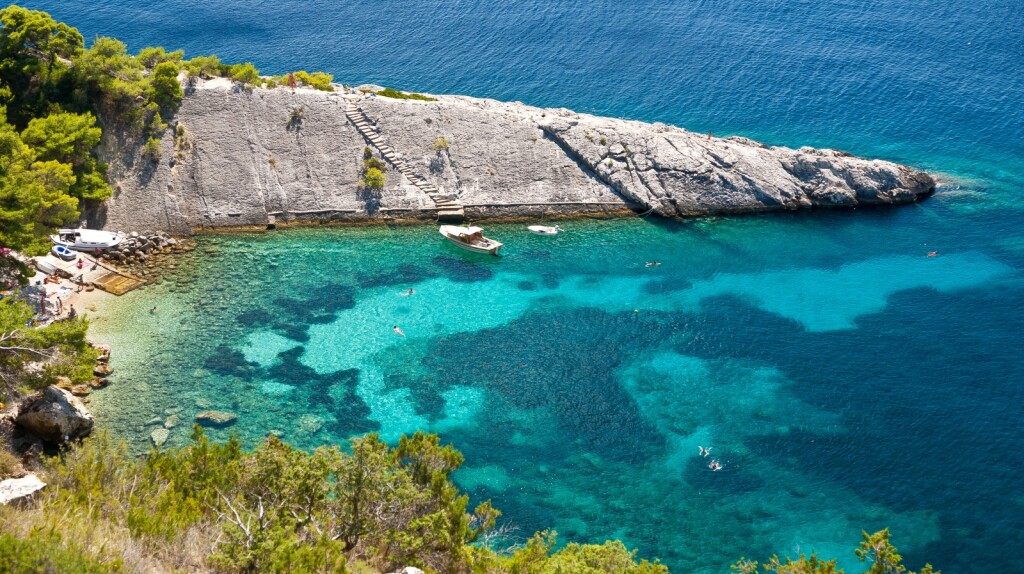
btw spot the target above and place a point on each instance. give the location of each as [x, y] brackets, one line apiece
[159, 437]
[102, 370]
[20, 489]
[171, 422]
[55, 415]
[216, 419]
[81, 390]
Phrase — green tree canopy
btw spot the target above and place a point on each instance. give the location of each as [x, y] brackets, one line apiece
[166, 90]
[70, 138]
[151, 56]
[34, 49]
[34, 195]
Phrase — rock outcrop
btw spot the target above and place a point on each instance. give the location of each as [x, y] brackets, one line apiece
[235, 157]
[17, 490]
[216, 419]
[55, 415]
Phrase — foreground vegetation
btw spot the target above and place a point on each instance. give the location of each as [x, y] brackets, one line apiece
[216, 507]
[369, 508]
[32, 358]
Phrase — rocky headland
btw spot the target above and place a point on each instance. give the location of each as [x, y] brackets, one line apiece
[234, 156]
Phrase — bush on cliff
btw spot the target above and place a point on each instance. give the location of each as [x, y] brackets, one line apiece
[373, 178]
[245, 73]
[166, 90]
[393, 93]
[151, 56]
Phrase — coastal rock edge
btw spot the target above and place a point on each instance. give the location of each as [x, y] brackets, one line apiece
[235, 157]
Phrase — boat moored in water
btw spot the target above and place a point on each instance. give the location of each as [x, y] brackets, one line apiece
[470, 239]
[86, 239]
[544, 230]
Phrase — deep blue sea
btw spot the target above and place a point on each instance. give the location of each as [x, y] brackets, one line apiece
[844, 379]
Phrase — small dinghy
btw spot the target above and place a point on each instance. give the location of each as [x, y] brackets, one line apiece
[63, 252]
[470, 239]
[544, 230]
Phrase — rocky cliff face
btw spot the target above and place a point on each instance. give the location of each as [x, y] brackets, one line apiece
[236, 157]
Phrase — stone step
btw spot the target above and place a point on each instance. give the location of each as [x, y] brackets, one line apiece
[451, 216]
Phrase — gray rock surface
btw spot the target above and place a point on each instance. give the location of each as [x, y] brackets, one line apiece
[216, 419]
[159, 437]
[14, 490]
[236, 157]
[55, 415]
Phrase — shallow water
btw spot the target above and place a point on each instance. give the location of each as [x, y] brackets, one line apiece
[845, 379]
[838, 383]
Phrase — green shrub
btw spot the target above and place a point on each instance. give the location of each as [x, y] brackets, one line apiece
[151, 149]
[393, 93]
[150, 57]
[245, 73]
[440, 144]
[603, 140]
[203, 66]
[374, 163]
[373, 178]
[44, 552]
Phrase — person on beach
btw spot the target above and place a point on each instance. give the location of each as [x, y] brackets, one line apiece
[71, 312]
[397, 330]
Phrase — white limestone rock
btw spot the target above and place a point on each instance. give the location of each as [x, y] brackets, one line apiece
[241, 158]
[15, 490]
[55, 415]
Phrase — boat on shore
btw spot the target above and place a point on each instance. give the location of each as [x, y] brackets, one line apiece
[544, 230]
[63, 252]
[87, 239]
[470, 239]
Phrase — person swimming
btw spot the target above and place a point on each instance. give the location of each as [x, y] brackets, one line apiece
[715, 466]
[397, 330]
[411, 291]
[704, 452]
[652, 264]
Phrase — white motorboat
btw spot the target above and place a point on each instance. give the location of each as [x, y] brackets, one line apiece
[87, 239]
[544, 230]
[470, 238]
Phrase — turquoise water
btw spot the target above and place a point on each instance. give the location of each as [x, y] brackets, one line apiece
[845, 379]
[838, 387]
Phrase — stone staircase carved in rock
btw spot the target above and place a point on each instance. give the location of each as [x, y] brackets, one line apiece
[448, 210]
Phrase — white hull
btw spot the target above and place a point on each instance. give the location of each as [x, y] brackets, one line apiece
[543, 230]
[87, 239]
[470, 239]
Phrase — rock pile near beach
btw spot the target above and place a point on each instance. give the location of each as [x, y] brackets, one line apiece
[239, 157]
[144, 254]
